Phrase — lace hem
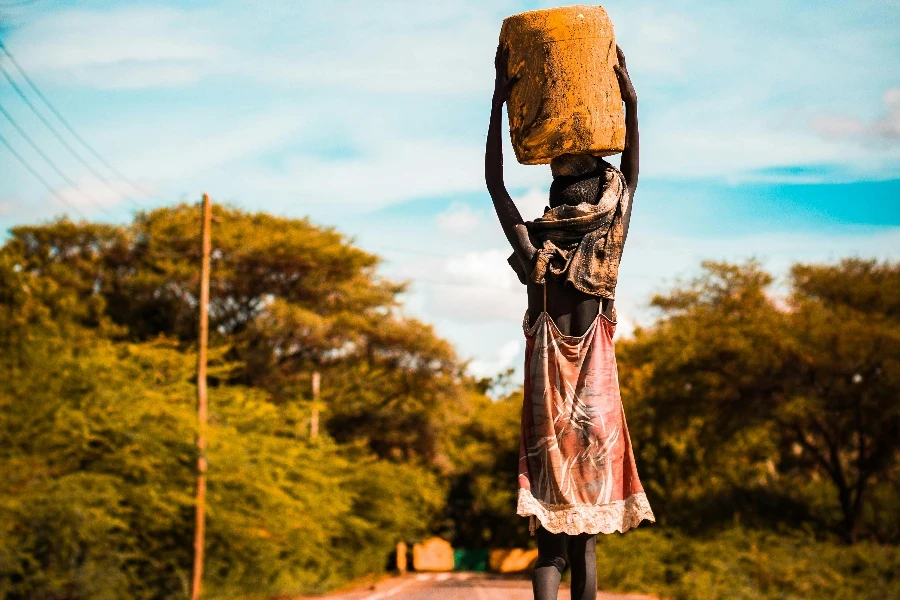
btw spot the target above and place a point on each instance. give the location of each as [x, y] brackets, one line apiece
[619, 515]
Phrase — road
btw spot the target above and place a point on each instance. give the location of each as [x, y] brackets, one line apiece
[459, 586]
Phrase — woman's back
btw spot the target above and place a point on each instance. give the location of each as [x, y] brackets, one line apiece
[572, 310]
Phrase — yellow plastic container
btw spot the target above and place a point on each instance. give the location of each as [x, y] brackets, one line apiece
[567, 99]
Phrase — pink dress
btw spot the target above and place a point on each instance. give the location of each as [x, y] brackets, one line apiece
[576, 467]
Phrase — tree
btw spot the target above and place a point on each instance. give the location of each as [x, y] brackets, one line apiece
[287, 298]
[97, 455]
[732, 391]
[697, 387]
[842, 407]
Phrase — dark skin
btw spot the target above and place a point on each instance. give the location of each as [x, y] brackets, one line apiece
[573, 311]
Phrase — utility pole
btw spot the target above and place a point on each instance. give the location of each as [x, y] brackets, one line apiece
[314, 421]
[200, 507]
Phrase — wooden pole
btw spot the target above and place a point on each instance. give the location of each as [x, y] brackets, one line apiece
[314, 421]
[200, 507]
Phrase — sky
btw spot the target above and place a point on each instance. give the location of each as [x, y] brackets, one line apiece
[768, 130]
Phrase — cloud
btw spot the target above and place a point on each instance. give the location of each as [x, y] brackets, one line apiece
[836, 126]
[122, 47]
[531, 204]
[459, 218]
[659, 43]
[182, 152]
[886, 129]
[476, 287]
[91, 194]
[406, 47]
[504, 358]
[482, 268]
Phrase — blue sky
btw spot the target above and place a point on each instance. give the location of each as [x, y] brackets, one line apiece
[768, 129]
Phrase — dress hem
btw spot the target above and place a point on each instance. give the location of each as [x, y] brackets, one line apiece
[619, 515]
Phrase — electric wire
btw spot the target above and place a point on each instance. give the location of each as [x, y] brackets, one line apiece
[62, 140]
[68, 125]
[49, 161]
[38, 176]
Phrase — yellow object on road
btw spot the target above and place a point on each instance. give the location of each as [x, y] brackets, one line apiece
[512, 560]
[567, 99]
[401, 557]
[433, 554]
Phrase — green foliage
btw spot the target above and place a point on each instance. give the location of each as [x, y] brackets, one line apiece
[97, 424]
[98, 455]
[287, 297]
[739, 405]
[740, 563]
[483, 484]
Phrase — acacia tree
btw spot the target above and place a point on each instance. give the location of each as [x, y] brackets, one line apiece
[842, 400]
[729, 390]
[697, 386]
[97, 423]
[287, 297]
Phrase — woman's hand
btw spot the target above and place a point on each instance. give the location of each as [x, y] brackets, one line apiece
[630, 163]
[629, 96]
[503, 83]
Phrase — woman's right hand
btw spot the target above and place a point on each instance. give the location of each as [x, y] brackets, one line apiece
[503, 83]
[629, 96]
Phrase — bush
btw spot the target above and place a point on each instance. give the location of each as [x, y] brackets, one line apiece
[740, 563]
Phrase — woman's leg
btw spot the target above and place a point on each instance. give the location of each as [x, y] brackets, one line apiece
[550, 564]
[582, 551]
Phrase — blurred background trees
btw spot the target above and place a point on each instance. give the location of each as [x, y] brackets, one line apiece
[764, 423]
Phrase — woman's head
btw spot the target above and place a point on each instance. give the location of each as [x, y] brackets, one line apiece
[569, 165]
[577, 178]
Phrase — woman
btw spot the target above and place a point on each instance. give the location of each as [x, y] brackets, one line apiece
[577, 475]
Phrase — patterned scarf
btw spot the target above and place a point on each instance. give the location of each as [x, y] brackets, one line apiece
[581, 243]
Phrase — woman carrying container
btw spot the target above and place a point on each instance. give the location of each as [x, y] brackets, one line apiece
[577, 474]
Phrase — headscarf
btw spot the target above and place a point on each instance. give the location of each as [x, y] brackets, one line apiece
[581, 243]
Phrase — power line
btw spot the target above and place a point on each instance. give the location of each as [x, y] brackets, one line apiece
[38, 176]
[59, 137]
[68, 125]
[47, 159]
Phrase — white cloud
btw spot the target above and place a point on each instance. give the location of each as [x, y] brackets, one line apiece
[181, 153]
[886, 128]
[91, 194]
[531, 204]
[130, 46]
[459, 218]
[504, 358]
[487, 268]
[836, 126]
[657, 42]
[478, 287]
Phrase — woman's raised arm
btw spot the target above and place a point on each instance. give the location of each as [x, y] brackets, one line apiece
[510, 219]
[630, 165]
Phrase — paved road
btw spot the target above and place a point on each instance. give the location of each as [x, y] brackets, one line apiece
[459, 586]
